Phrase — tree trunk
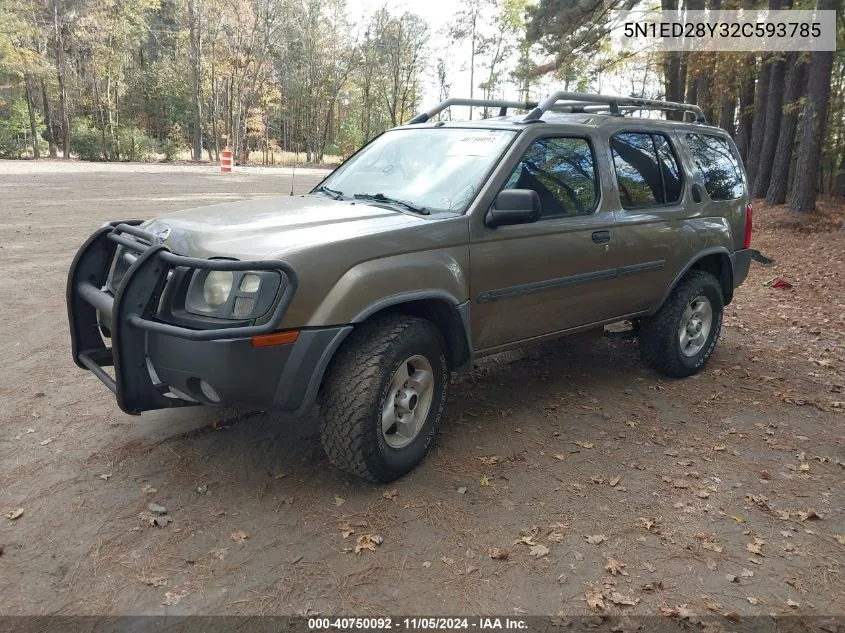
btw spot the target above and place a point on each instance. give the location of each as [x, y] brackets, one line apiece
[196, 71]
[761, 100]
[727, 114]
[48, 121]
[774, 112]
[672, 69]
[746, 112]
[33, 128]
[795, 85]
[61, 66]
[815, 113]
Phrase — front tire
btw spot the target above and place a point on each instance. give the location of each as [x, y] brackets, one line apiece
[383, 397]
[681, 336]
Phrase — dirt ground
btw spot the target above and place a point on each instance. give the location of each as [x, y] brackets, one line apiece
[611, 489]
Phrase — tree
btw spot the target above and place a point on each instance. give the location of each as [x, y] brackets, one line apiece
[794, 89]
[815, 113]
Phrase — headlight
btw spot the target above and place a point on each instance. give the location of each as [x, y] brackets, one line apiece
[237, 295]
[217, 287]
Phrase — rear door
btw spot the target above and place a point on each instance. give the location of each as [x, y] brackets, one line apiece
[533, 279]
[652, 206]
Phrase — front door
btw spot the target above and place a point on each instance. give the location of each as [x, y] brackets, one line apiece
[554, 274]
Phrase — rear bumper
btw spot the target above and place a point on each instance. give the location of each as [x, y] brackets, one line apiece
[740, 263]
[159, 364]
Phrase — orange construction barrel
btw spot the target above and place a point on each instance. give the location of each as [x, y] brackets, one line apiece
[226, 161]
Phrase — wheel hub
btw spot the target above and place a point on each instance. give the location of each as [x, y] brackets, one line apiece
[695, 325]
[408, 401]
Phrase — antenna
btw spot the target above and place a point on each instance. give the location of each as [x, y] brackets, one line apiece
[293, 172]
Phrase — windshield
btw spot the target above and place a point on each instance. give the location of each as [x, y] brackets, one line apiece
[437, 169]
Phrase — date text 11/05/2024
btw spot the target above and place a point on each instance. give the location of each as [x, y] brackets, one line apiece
[418, 623]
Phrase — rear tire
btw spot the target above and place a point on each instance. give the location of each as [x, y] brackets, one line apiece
[383, 397]
[681, 336]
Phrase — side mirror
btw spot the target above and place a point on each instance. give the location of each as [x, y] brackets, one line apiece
[514, 206]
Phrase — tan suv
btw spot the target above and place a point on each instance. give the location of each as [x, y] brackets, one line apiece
[437, 243]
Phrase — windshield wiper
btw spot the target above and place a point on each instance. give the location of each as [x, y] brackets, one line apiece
[380, 197]
[332, 193]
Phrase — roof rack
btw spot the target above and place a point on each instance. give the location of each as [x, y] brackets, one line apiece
[567, 102]
[485, 103]
[612, 102]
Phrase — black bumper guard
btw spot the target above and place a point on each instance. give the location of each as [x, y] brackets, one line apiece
[131, 311]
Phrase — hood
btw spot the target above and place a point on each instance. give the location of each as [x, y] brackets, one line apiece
[270, 227]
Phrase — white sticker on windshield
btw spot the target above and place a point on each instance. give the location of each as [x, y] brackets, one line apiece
[474, 144]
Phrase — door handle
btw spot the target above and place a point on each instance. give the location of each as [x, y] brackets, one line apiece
[601, 237]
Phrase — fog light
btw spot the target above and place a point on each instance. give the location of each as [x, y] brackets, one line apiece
[208, 392]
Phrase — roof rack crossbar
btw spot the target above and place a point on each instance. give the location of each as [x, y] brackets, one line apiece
[457, 101]
[613, 103]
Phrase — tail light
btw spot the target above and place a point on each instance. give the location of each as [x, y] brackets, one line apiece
[749, 210]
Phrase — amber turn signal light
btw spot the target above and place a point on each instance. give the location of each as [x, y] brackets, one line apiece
[276, 338]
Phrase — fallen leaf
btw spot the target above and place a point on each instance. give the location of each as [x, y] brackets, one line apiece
[840, 538]
[219, 552]
[650, 524]
[15, 514]
[484, 481]
[719, 447]
[45, 442]
[746, 573]
[808, 514]
[448, 561]
[804, 467]
[426, 564]
[595, 539]
[173, 597]
[105, 476]
[738, 518]
[559, 456]
[793, 604]
[339, 501]
[526, 540]
[239, 536]
[538, 551]
[149, 490]
[489, 460]
[614, 480]
[154, 581]
[391, 494]
[703, 494]
[595, 600]
[668, 612]
[752, 600]
[498, 554]
[368, 542]
[756, 547]
[162, 520]
[617, 598]
[615, 567]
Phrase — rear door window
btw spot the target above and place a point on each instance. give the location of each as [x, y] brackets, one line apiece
[718, 164]
[647, 169]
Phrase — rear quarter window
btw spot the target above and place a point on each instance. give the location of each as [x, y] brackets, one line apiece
[718, 164]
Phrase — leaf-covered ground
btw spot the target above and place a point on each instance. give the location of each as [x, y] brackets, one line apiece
[567, 479]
